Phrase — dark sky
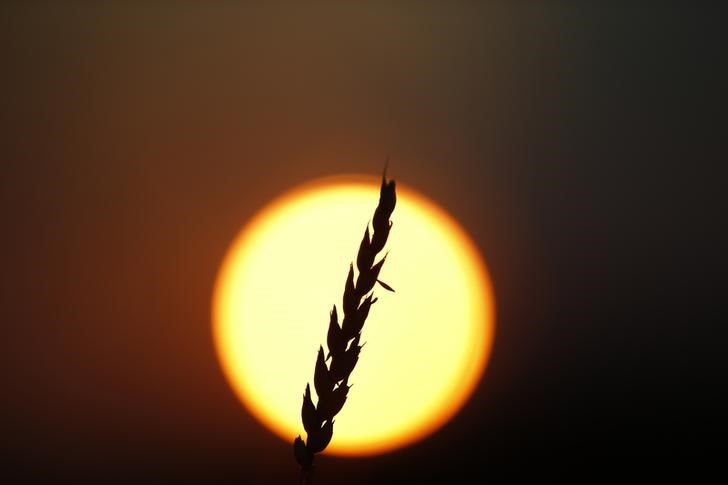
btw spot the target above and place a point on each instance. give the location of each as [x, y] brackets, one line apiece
[581, 145]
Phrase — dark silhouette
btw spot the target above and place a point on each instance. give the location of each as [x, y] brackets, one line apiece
[332, 382]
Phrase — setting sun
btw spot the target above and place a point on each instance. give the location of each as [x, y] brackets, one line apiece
[426, 345]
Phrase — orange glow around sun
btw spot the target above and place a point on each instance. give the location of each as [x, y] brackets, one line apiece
[427, 345]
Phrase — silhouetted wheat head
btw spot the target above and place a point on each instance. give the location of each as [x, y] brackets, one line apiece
[332, 381]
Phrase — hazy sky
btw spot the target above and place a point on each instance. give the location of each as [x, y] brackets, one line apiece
[581, 145]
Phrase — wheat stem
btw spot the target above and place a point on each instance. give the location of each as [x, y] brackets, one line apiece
[332, 381]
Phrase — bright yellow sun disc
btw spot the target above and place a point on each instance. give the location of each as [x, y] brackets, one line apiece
[426, 345]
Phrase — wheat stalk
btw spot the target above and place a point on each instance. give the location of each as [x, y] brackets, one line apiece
[332, 382]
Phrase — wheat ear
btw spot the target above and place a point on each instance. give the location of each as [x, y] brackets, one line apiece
[332, 381]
